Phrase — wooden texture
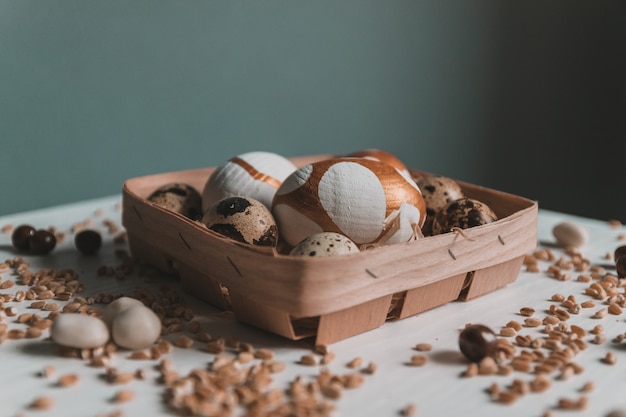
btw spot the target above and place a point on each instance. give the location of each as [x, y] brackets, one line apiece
[351, 321]
[281, 288]
[432, 295]
[493, 277]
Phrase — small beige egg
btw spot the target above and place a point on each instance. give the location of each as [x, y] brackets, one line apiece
[136, 327]
[79, 331]
[325, 244]
[180, 198]
[243, 219]
[438, 192]
[570, 234]
[117, 306]
[462, 213]
[253, 174]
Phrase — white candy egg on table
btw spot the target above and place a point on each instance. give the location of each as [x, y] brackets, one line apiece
[570, 234]
[253, 174]
[79, 331]
[135, 327]
[117, 306]
[325, 244]
[368, 201]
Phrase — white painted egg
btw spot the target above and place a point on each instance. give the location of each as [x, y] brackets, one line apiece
[368, 201]
[382, 156]
[254, 174]
[325, 244]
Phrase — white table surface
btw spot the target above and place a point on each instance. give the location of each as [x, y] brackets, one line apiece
[436, 389]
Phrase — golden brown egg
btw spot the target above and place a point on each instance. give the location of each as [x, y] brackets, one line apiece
[382, 156]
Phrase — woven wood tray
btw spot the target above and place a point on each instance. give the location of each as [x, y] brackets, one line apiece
[329, 298]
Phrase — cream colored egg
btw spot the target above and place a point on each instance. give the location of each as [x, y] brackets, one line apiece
[368, 201]
[136, 327]
[254, 174]
[79, 331]
[117, 306]
[325, 244]
[569, 233]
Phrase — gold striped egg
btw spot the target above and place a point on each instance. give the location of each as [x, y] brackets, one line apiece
[253, 174]
[368, 201]
[382, 156]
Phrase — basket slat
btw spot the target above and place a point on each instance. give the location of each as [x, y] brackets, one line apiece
[429, 296]
[352, 321]
[491, 278]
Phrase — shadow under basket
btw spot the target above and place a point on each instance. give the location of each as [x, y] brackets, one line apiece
[329, 299]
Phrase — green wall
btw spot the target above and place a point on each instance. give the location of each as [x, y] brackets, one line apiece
[94, 92]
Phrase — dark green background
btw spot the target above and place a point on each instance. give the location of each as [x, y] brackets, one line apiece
[528, 97]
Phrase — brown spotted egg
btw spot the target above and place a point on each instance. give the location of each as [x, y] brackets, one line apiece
[325, 244]
[437, 191]
[180, 198]
[243, 219]
[462, 213]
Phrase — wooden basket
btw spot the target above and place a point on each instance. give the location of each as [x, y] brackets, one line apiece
[329, 298]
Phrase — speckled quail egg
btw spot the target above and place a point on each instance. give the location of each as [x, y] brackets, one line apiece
[243, 219]
[325, 244]
[462, 213]
[179, 197]
[437, 191]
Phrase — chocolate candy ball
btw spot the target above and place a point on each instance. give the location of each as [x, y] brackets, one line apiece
[620, 267]
[620, 261]
[21, 236]
[42, 242]
[88, 241]
[620, 252]
[477, 342]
